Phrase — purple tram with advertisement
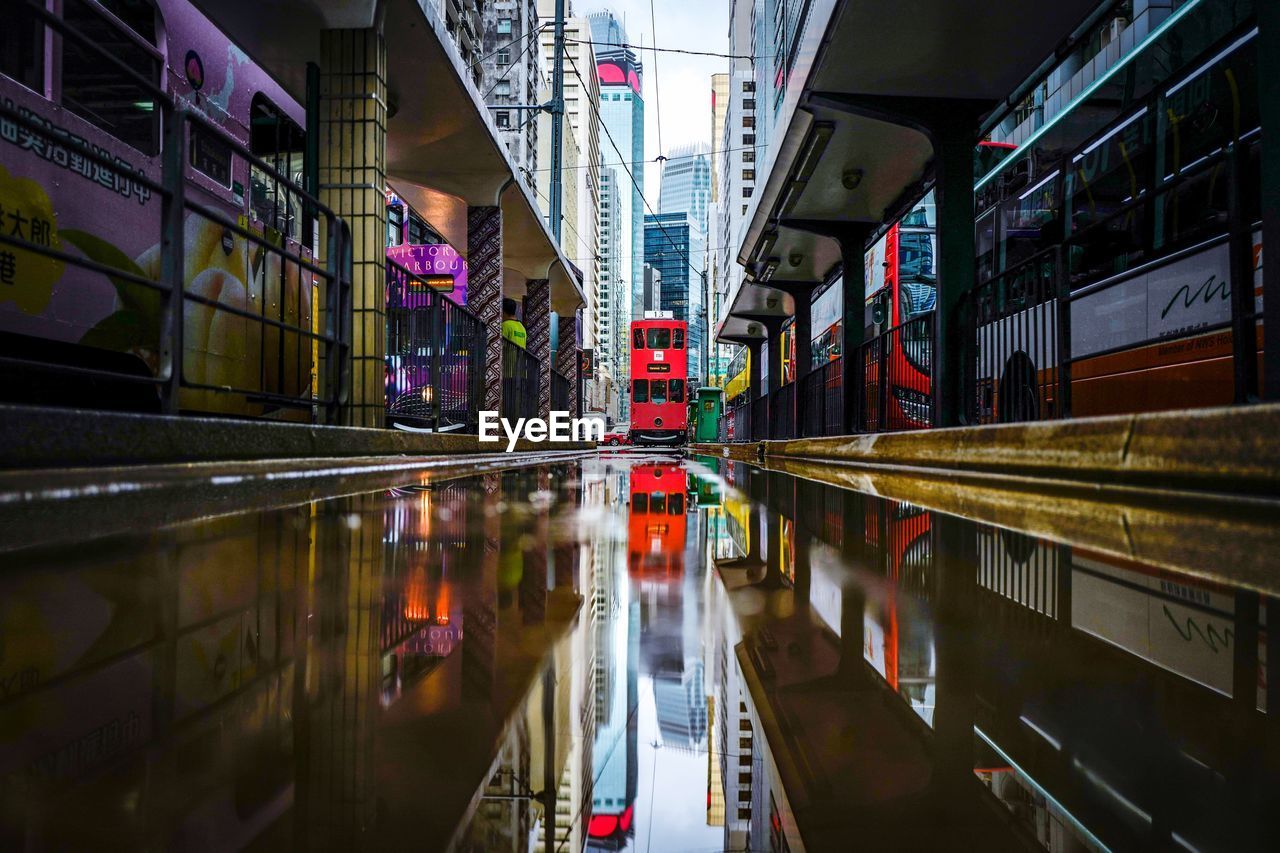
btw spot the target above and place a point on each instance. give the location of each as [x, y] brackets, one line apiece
[85, 231]
[427, 326]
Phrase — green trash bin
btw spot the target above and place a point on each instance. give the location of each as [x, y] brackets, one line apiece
[710, 407]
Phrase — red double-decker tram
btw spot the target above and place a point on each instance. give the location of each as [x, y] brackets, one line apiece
[659, 381]
[656, 523]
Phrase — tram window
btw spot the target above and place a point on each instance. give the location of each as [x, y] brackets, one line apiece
[640, 390]
[659, 339]
[675, 505]
[638, 339]
[678, 339]
[657, 391]
[22, 49]
[395, 225]
[640, 502]
[210, 156]
[279, 141]
[97, 90]
[658, 503]
[677, 390]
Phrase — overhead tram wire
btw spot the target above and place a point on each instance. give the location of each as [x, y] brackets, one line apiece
[535, 31]
[657, 96]
[595, 108]
[713, 53]
[668, 159]
[510, 68]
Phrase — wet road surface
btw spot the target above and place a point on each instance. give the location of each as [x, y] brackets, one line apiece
[630, 652]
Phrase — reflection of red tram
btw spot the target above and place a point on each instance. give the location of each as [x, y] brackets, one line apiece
[900, 532]
[656, 521]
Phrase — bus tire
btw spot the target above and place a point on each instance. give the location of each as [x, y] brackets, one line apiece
[1019, 395]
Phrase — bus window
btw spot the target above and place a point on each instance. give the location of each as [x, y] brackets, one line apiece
[677, 390]
[679, 339]
[659, 339]
[640, 390]
[22, 49]
[281, 143]
[96, 90]
[657, 391]
[638, 339]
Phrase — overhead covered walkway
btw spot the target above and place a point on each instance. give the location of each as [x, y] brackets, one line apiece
[887, 123]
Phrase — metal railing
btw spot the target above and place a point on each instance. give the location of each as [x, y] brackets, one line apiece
[559, 391]
[520, 380]
[782, 412]
[739, 423]
[822, 390]
[435, 356]
[760, 417]
[163, 349]
[894, 385]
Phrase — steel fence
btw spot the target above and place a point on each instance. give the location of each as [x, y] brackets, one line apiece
[435, 356]
[822, 390]
[739, 428]
[559, 391]
[520, 381]
[782, 412]
[186, 337]
[895, 389]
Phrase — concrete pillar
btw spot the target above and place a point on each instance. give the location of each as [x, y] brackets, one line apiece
[537, 326]
[567, 357]
[352, 174]
[953, 165]
[1269, 102]
[484, 297]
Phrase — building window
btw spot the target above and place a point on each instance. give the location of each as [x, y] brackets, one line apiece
[748, 139]
[746, 192]
[748, 85]
[504, 56]
[503, 118]
[502, 88]
[749, 103]
[749, 156]
[749, 121]
[748, 174]
[504, 26]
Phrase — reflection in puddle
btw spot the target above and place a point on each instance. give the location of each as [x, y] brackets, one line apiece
[635, 653]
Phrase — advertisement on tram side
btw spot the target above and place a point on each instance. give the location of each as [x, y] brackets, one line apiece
[59, 201]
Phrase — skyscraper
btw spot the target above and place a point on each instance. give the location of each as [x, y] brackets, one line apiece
[686, 194]
[615, 293]
[686, 183]
[622, 147]
[671, 242]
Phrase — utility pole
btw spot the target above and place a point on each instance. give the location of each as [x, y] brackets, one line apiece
[557, 122]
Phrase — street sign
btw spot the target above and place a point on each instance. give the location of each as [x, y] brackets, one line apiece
[587, 361]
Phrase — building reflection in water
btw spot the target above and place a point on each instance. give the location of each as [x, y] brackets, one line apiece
[1062, 698]
[611, 655]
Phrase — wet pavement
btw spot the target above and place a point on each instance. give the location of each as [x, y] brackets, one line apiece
[629, 652]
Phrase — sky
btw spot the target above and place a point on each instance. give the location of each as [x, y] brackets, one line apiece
[677, 97]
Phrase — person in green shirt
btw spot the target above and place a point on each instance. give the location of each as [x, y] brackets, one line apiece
[512, 329]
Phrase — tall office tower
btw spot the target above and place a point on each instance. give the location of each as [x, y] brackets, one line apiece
[615, 295]
[686, 183]
[513, 76]
[580, 227]
[622, 112]
[686, 189]
[671, 240]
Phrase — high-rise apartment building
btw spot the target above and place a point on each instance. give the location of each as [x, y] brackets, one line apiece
[615, 294]
[513, 68]
[719, 112]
